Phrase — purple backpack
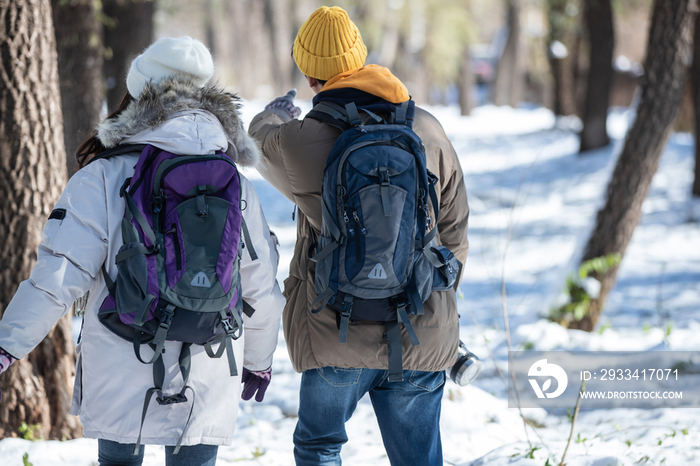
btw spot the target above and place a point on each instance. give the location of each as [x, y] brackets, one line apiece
[179, 268]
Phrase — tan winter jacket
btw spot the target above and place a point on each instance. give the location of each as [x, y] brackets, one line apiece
[294, 156]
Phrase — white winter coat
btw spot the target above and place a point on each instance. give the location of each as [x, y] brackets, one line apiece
[110, 383]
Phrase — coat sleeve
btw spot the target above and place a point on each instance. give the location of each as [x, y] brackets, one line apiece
[454, 208]
[269, 128]
[259, 283]
[71, 253]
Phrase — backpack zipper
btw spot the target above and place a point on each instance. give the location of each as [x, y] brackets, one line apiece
[178, 252]
[358, 245]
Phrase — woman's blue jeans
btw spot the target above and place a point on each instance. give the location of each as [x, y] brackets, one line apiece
[122, 454]
[408, 414]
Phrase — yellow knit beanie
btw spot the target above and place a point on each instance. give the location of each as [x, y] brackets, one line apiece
[328, 43]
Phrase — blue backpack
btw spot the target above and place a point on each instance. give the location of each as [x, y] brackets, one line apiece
[374, 259]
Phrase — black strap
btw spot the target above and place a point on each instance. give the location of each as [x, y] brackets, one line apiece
[134, 251]
[140, 318]
[323, 253]
[108, 280]
[403, 318]
[393, 335]
[384, 177]
[345, 313]
[416, 302]
[321, 300]
[400, 115]
[330, 223]
[159, 339]
[184, 362]
[202, 207]
[248, 242]
[353, 116]
[136, 213]
[209, 347]
[119, 150]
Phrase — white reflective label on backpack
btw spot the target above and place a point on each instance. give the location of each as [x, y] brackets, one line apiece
[201, 280]
[378, 273]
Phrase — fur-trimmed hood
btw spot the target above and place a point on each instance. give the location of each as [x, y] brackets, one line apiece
[176, 112]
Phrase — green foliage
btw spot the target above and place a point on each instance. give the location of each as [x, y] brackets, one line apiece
[580, 439]
[25, 460]
[30, 432]
[531, 452]
[258, 452]
[579, 301]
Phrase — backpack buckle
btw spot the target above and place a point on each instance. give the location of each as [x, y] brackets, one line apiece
[167, 319]
[171, 399]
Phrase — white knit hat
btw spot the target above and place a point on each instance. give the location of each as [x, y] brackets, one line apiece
[167, 57]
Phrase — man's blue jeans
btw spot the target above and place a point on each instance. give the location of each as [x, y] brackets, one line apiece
[408, 414]
[122, 454]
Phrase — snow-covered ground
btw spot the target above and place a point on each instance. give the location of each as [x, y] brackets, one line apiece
[522, 171]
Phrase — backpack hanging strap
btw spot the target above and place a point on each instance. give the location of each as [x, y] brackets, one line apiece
[345, 313]
[403, 318]
[159, 339]
[321, 300]
[133, 212]
[415, 301]
[232, 332]
[184, 361]
[393, 336]
[247, 241]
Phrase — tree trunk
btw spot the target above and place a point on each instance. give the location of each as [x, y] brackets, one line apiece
[466, 84]
[277, 13]
[696, 98]
[561, 25]
[36, 389]
[128, 31]
[599, 22]
[661, 91]
[508, 85]
[80, 53]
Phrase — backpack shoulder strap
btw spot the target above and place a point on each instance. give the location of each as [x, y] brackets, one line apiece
[341, 117]
[119, 150]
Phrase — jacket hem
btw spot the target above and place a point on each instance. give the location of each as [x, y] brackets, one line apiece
[192, 440]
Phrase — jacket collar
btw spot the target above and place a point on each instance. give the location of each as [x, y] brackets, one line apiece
[165, 99]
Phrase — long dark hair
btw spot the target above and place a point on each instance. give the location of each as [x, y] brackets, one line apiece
[92, 145]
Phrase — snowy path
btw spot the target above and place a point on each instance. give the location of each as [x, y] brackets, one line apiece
[520, 170]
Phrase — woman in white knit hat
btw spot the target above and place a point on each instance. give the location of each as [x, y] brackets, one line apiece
[170, 107]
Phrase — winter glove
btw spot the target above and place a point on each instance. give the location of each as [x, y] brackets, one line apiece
[255, 381]
[286, 104]
[5, 360]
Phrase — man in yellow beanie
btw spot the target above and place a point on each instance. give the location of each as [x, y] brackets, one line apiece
[329, 51]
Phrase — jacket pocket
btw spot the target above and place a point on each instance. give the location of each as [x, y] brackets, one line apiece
[427, 381]
[339, 377]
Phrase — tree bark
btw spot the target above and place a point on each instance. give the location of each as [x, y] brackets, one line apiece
[561, 26]
[36, 389]
[599, 22]
[128, 31]
[80, 53]
[695, 70]
[509, 82]
[668, 52]
[466, 84]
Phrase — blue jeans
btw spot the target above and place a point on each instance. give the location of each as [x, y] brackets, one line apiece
[122, 454]
[408, 414]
